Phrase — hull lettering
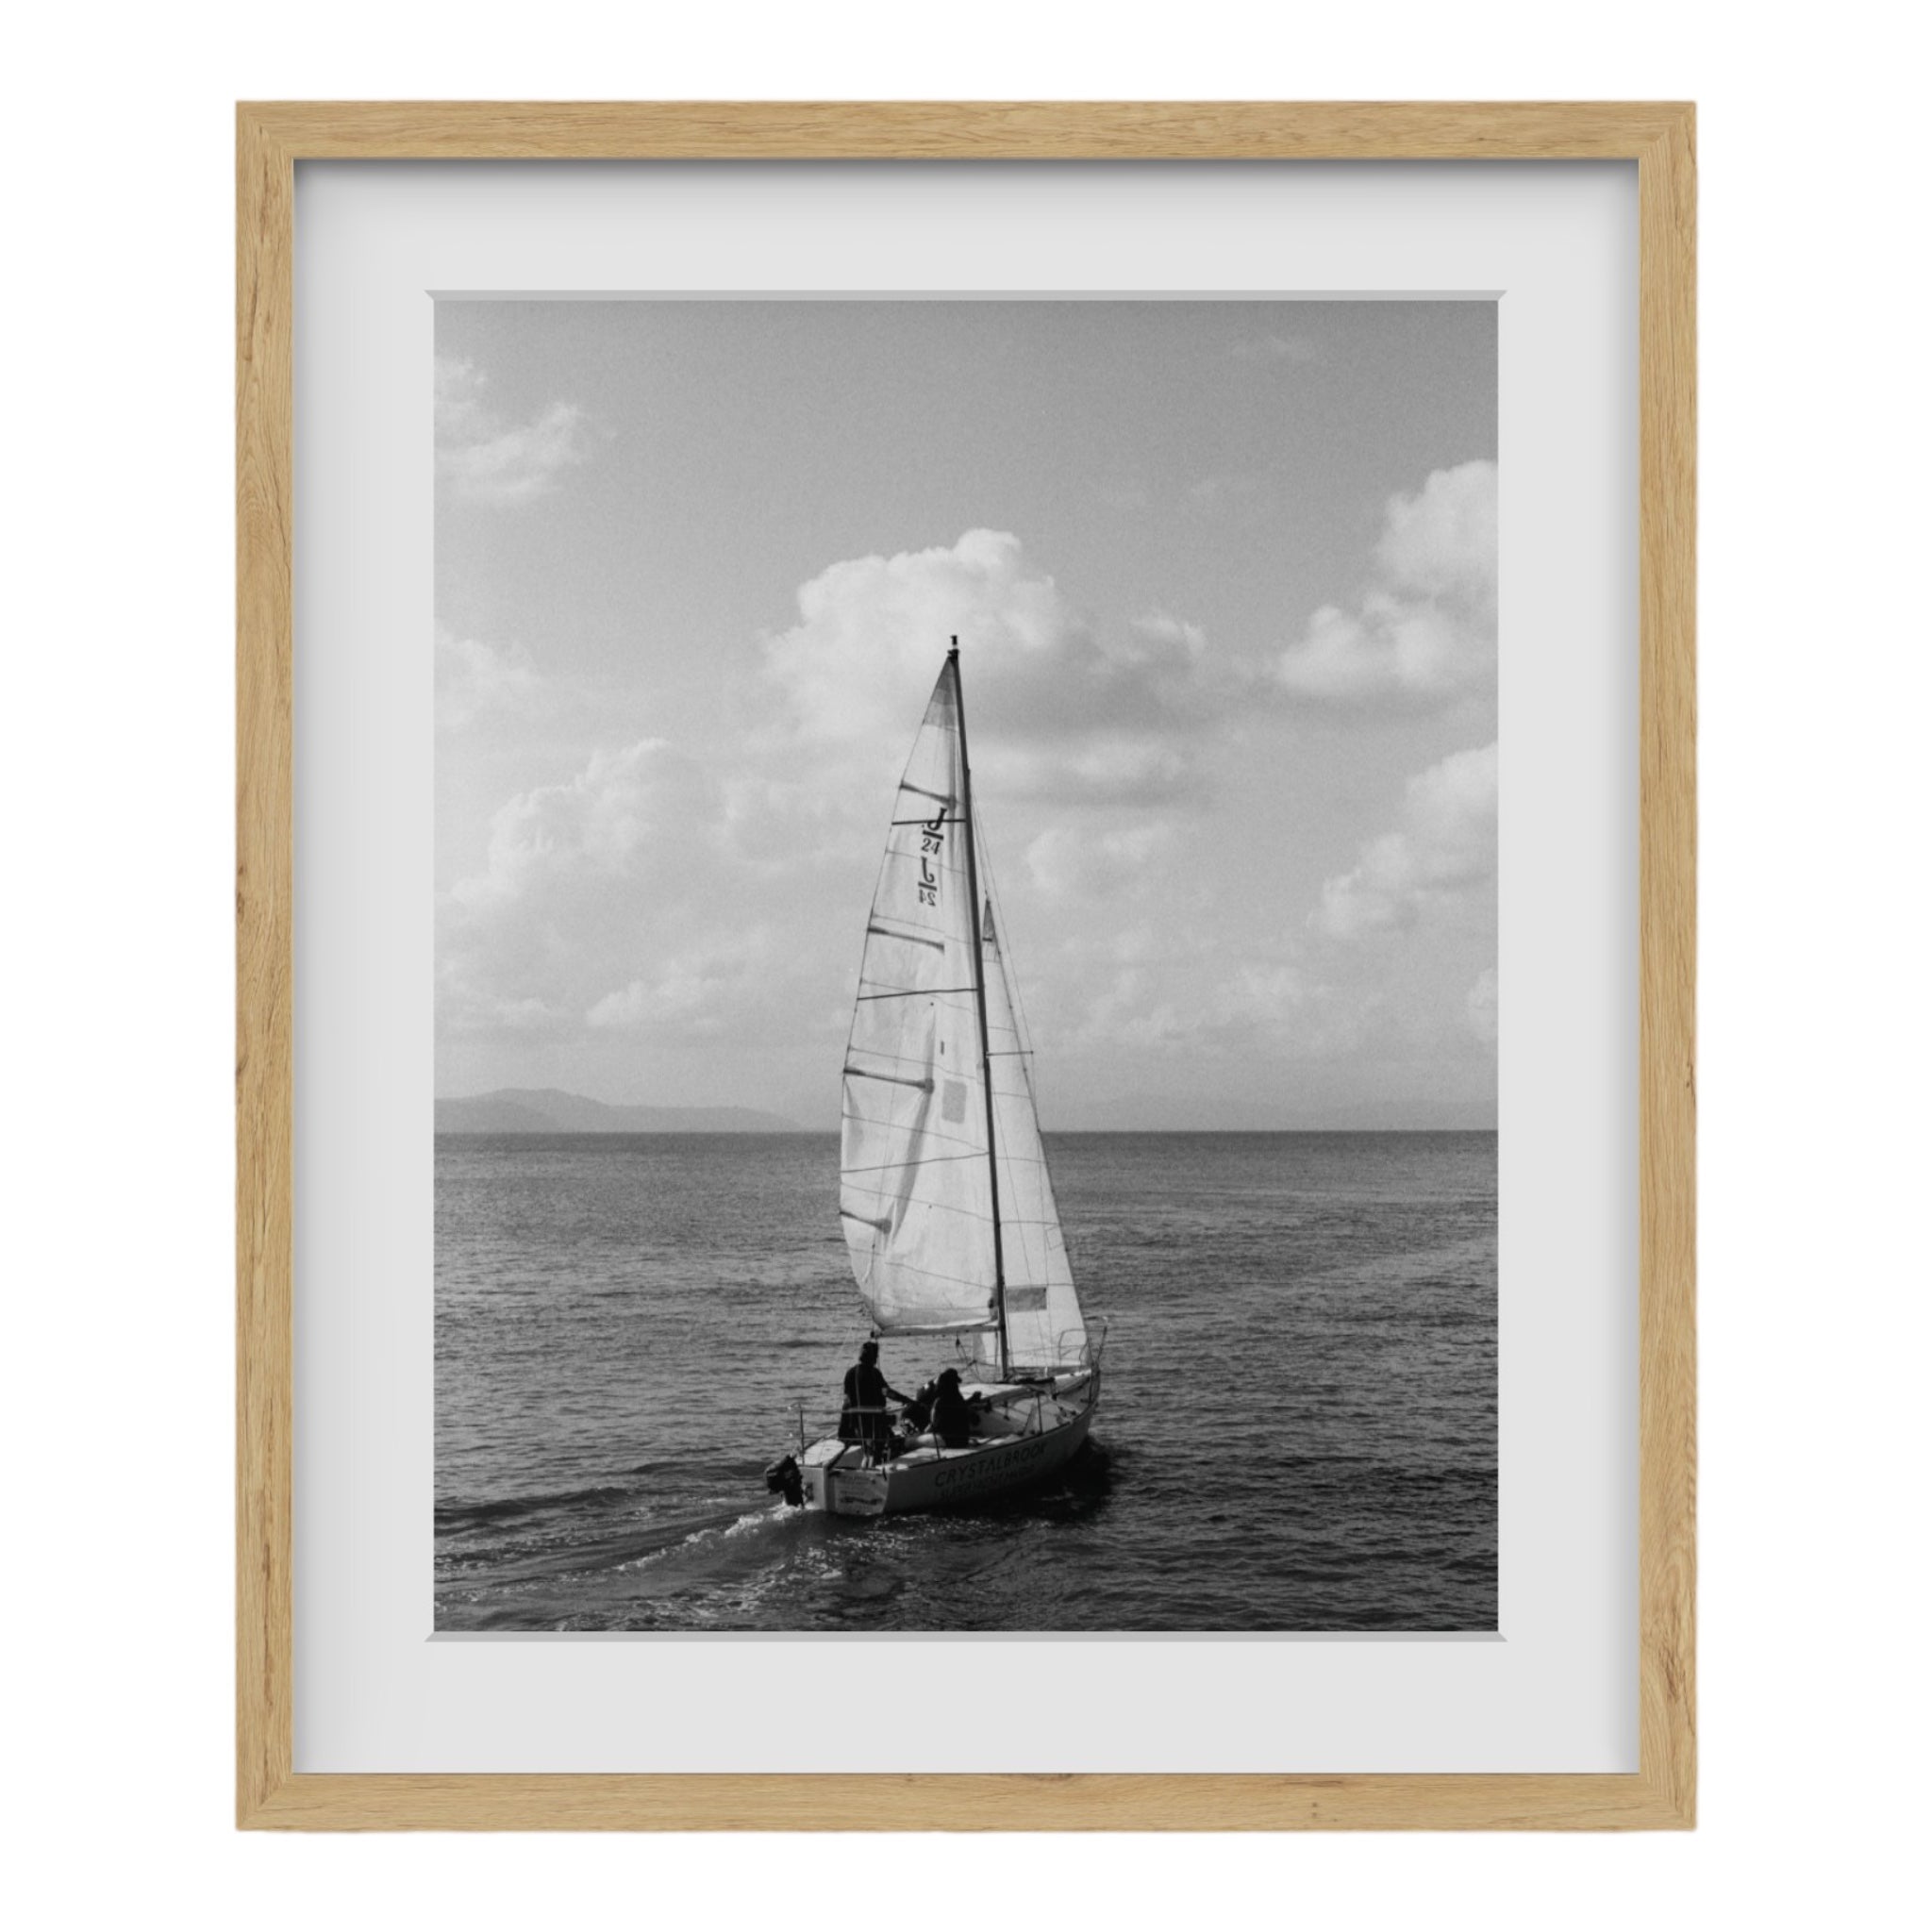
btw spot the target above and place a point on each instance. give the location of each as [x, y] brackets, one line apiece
[989, 1468]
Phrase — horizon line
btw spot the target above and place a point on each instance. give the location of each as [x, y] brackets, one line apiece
[779, 1133]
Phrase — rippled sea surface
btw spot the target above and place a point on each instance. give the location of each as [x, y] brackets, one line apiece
[1297, 1427]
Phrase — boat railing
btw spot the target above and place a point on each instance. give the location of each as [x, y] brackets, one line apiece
[1093, 1342]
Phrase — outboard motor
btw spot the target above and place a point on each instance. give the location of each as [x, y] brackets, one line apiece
[783, 1479]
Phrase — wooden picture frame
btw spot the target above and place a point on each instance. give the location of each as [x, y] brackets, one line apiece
[271, 140]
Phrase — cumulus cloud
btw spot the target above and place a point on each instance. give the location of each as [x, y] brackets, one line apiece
[695, 990]
[1177, 1003]
[1423, 632]
[1446, 846]
[1055, 709]
[595, 827]
[1158, 636]
[484, 458]
[617, 903]
[645, 902]
[473, 680]
[622, 894]
[1243, 1006]
[470, 1005]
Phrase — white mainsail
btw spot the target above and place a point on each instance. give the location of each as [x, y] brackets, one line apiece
[918, 1185]
[916, 1193]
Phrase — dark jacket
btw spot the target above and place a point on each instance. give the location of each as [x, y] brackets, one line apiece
[951, 1416]
[864, 1418]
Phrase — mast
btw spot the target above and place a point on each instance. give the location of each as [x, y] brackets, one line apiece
[992, 1160]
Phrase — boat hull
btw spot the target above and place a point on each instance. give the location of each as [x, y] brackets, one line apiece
[840, 1482]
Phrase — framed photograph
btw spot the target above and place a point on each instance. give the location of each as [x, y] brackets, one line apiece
[966, 934]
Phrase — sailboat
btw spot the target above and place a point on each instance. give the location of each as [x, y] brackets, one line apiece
[944, 1195]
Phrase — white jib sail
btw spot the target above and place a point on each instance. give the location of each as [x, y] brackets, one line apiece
[915, 1193]
[1044, 1330]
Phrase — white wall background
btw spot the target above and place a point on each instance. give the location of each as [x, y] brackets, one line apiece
[116, 769]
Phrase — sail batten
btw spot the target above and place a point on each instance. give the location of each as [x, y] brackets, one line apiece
[891, 1079]
[942, 1171]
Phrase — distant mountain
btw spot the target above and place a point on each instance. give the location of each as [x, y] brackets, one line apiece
[548, 1110]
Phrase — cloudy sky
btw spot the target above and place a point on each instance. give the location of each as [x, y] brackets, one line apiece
[1224, 577]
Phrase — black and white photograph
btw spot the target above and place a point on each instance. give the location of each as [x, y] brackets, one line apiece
[1342, 507]
[966, 995]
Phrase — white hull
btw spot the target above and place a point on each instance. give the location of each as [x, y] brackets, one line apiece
[1040, 1432]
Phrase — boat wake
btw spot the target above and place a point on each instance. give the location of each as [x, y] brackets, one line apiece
[591, 1559]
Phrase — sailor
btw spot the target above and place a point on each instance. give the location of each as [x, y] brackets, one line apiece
[864, 1418]
[953, 1415]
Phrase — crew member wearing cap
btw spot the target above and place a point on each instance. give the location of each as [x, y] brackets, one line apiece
[864, 1418]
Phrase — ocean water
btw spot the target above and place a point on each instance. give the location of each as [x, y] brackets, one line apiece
[1297, 1427]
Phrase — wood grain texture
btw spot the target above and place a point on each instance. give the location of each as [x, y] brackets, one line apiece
[1667, 964]
[966, 131]
[1014, 1802]
[271, 138]
[264, 962]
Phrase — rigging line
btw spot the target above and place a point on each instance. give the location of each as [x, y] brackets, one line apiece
[913, 992]
[854, 1182]
[924, 1161]
[920, 1127]
[906, 1060]
[967, 1214]
[904, 1267]
[972, 1153]
[924, 1133]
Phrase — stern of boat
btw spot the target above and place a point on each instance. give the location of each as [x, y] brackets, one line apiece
[1027, 1430]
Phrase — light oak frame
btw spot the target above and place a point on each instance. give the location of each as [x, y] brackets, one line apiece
[271, 138]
